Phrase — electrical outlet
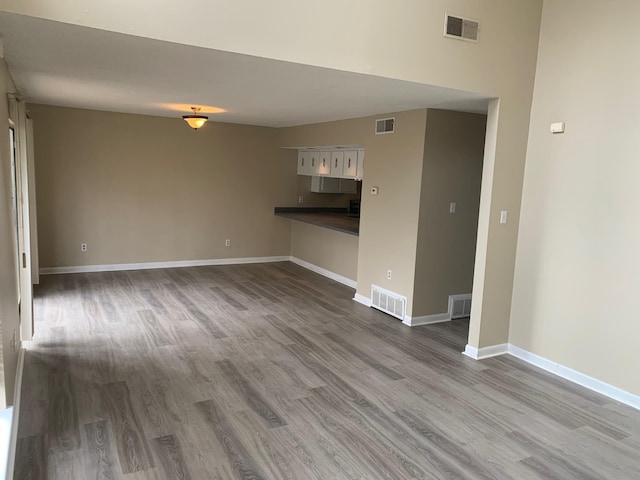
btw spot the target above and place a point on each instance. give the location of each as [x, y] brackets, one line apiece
[452, 207]
[388, 274]
[83, 247]
[300, 199]
[227, 243]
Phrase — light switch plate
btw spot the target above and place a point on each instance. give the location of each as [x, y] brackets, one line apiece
[503, 217]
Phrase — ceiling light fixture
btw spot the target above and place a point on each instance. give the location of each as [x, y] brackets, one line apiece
[195, 121]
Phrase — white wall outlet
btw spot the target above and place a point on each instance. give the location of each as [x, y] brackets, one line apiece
[388, 274]
[452, 207]
[300, 199]
[374, 190]
[227, 243]
[503, 216]
[83, 247]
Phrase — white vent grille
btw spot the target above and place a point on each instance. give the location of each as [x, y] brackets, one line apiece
[460, 306]
[388, 302]
[461, 28]
[385, 125]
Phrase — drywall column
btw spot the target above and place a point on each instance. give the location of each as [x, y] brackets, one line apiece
[502, 174]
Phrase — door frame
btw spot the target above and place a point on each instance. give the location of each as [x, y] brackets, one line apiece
[18, 121]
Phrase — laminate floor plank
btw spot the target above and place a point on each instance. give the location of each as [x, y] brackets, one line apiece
[242, 463]
[133, 450]
[63, 430]
[101, 460]
[31, 458]
[272, 371]
[169, 453]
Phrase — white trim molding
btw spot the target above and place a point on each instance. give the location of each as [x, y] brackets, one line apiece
[426, 319]
[324, 272]
[485, 352]
[17, 398]
[152, 265]
[567, 373]
[574, 376]
[366, 301]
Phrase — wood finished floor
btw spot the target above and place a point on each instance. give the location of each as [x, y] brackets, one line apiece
[270, 371]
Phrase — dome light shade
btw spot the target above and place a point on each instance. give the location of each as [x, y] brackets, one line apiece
[195, 121]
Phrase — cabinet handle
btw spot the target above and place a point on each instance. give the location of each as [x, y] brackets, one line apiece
[336, 163]
[303, 161]
[349, 164]
[313, 161]
[324, 161]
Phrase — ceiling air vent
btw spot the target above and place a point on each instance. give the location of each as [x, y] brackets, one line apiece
[385, 125]
[461, 28]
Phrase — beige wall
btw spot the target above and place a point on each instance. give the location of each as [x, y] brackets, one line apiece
[578, 262]
[501, 64]
[148, 189]
[8, 279]
[325, 248]
[388, 221]
[452, 170]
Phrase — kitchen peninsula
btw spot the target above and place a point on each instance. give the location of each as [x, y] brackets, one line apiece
[332, 218]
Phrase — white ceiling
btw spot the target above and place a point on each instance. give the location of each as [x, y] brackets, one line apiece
[68, 65]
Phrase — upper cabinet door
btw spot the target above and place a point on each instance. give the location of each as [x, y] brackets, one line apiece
[324, 163]
[350, 168]
[304, 163]
[314, 168]
[360, 171]
[337, 162]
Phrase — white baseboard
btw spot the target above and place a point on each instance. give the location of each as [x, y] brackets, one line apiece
[567, 373]
[574, 376]
[324, 272]
[366, 301]
[153, 265]
[17, 396]
[485, 352]
[426, 319]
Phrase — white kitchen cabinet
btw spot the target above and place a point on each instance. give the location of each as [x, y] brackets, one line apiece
[314, 164]
[350, 168]
[337, 162]
[360, 168]
[332, 163]
[304, 162]
[324, 163]
[333, 185]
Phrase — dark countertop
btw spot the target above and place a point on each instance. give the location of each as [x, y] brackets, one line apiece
[331, 218]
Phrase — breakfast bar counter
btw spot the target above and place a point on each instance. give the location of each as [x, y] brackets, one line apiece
[332, 218]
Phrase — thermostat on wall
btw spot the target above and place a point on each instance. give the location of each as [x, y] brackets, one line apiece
[557, 127]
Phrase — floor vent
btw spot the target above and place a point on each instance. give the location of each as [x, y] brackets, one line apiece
[385, 125]
[388, 302]
[459, 306]
[461, 28]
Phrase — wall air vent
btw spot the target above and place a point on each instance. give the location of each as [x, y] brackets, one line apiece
[385, 125]
[388, 302]
[461, 28]
[459, 306]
